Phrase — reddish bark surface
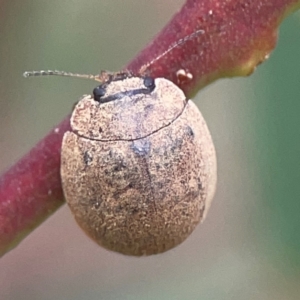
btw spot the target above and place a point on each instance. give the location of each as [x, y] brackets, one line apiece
[238, 35]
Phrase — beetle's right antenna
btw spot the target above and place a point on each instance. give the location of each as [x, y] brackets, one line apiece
[174, 45]
[61, 73]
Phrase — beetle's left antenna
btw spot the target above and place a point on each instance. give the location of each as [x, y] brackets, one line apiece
[60, 73]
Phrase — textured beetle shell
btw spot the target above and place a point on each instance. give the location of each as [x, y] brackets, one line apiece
[145, 193]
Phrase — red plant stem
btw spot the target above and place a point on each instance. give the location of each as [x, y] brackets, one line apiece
[31, 190]
[238, 35]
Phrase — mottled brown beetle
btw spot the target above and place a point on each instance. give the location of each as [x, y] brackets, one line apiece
[138, 168]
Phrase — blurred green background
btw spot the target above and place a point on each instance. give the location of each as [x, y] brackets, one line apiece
[249, 245]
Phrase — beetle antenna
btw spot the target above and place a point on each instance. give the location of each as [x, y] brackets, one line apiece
[174, 45]
[60, 73]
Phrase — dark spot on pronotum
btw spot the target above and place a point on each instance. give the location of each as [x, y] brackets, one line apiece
[100, 130]
[149, 83]
[87, 158]
[141, 147]
[98, 92]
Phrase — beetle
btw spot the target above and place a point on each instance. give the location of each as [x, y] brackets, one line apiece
[138, 168]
